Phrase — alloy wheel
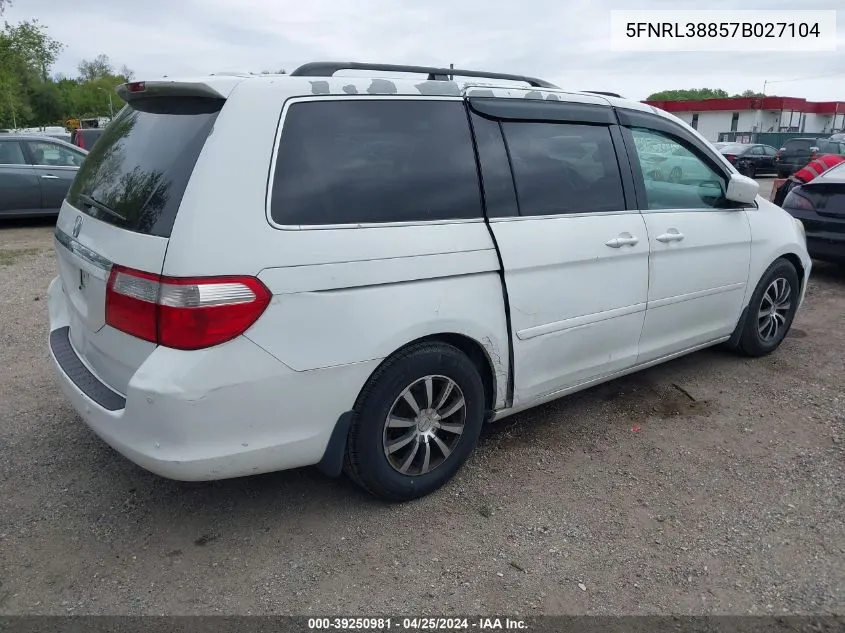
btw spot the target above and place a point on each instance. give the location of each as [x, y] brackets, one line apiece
[424, 425]
[774, 309]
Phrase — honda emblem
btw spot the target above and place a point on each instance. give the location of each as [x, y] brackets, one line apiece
[77, 225]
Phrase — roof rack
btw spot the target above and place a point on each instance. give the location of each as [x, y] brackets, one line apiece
[328, 69]
[606, 94]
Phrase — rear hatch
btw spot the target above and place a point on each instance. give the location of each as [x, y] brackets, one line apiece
[797, 151]
[826, 194]
[119, 213]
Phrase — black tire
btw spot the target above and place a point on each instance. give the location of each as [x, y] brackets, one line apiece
[752, 342]
[751, 171]
[366, 460]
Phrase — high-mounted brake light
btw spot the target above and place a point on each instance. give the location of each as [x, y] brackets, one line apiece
[183, 313]
[136, 86]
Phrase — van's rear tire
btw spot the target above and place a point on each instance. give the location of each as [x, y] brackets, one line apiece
[416, 422]
[771, 310]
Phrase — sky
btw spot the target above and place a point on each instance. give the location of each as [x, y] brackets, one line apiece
[566, 42]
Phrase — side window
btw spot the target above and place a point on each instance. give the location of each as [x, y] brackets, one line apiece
[54, 155]
[360, 161]
[674, 176]
[769, 151]
[563, 168]
[11, 153]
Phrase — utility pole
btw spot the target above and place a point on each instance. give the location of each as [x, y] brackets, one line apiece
[12, 106]
[451, 77]
[111, 108]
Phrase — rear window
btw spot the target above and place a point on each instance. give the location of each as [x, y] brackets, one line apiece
[799, 144]
[136, 174]
[369, 161]
[733, 149]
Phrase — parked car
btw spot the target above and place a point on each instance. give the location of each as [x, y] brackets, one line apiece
[677, 165]
[86, 137]
[797, 152]
[820, 206]
[359, 273]
[750, 159]
[35, 174]
[840, 136]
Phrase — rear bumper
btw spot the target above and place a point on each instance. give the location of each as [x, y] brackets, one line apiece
[826, 248]
[227, 411]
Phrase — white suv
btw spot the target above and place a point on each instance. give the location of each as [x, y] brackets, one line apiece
[267, 272]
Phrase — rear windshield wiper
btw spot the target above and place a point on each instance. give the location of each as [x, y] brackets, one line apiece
[100, 206]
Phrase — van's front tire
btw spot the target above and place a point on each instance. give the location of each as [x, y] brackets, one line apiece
[416, 422]
[771, 310]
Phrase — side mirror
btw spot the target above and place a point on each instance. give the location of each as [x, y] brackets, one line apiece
[742, 189]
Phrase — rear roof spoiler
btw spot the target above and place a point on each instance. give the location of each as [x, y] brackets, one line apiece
[219, 88]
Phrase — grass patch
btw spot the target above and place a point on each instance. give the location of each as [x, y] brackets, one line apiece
[10, 256]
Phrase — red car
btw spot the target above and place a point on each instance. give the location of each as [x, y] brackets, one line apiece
[86, 137]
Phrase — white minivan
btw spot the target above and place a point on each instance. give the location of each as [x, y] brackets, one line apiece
[267, 272]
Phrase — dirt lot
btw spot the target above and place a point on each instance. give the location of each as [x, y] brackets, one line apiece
[712, 484]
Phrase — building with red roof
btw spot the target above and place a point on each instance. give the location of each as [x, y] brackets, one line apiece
[764, 114]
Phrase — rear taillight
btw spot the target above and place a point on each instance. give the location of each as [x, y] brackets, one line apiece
[80, 141]
[794, 200]
[136, 86]
[730, 157]
[183, 313]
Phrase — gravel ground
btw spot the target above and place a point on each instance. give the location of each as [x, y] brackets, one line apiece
[711, 484]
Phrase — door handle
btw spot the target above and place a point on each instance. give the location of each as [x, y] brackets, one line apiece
[626, 239]
[673, 235]
[49, 177]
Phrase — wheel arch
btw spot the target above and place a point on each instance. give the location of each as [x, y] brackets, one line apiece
[478, 354]
[793, 259]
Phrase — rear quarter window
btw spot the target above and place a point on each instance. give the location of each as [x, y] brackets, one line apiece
[138, 171]
[357, 161]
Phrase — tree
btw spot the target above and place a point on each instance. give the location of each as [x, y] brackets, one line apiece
[26, 55]
[688, 94]
[751, 94]
[695, 94]
[97, 68]
[29, 96]
[29, 45]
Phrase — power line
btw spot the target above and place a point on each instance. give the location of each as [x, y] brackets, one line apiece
[780, 81]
